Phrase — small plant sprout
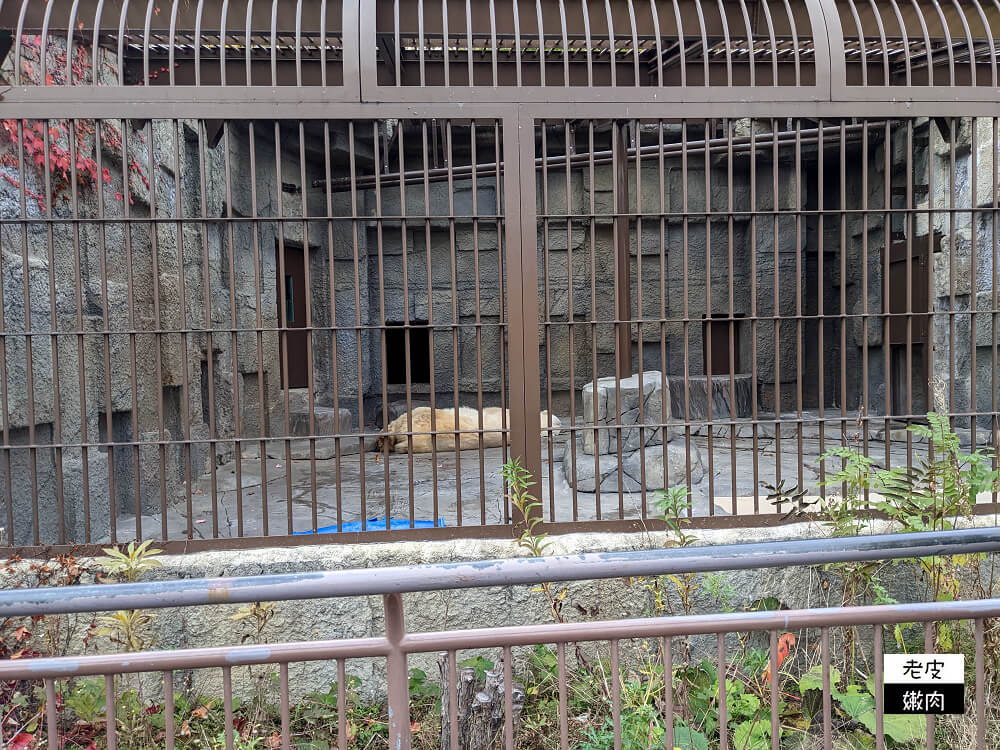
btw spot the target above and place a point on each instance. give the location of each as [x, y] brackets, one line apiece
[674, 504]
[131, 564]
[518, 482]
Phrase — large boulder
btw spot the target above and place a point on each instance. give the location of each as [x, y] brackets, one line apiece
[584, 477]
[630, 403]
[326, 422]
[676, 465]
[632, 478]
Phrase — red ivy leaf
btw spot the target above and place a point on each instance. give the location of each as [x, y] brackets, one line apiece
[21, 741]
[49, 80]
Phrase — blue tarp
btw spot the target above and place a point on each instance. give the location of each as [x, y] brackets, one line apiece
[375, 524]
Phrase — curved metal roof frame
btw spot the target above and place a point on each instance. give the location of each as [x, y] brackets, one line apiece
[547, 52]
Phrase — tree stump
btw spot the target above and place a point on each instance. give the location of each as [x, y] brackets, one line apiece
[480, 708]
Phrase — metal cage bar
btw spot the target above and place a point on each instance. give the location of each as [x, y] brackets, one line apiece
[250, 247]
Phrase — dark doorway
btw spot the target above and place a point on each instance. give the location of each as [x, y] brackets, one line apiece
[908, 293]
[722, 331]
[294, 374]
[395, 352]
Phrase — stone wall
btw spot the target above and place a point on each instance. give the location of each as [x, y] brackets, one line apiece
[66, 284]
[958, 239]
[715, 265]
[439, 288]
[964, 270]
[145, 282]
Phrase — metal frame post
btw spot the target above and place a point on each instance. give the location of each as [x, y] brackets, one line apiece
[397, 675]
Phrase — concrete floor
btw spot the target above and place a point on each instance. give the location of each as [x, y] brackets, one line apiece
[455, 490]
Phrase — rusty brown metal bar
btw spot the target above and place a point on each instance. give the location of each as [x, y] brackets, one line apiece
[623, 272]
[522, 290]
[409, 123]
[805, 136]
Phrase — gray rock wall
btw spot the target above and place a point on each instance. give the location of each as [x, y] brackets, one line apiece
[576, 264]
[955, 217]
[964, 272]
[112, 322]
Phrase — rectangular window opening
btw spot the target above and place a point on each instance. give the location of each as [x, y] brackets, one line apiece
[395, 352]
[289, 299]
[722, 328]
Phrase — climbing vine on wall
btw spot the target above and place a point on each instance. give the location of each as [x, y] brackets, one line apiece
[70, 146]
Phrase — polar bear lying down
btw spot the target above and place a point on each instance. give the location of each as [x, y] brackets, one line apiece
[494, 420]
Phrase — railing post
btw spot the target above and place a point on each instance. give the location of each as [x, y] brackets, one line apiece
[397, 675]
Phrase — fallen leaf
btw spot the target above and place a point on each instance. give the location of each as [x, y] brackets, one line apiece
[21, 634]
[185, 728]
[201, 712]
[785, 645]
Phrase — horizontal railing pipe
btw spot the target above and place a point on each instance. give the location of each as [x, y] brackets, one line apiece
[192, 658]
[522, 635]
[518, 571]
[674, 626]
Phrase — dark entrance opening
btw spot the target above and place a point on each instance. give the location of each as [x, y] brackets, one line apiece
[294, 373]
[909, 324]
[395, 352]
[719, 332]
